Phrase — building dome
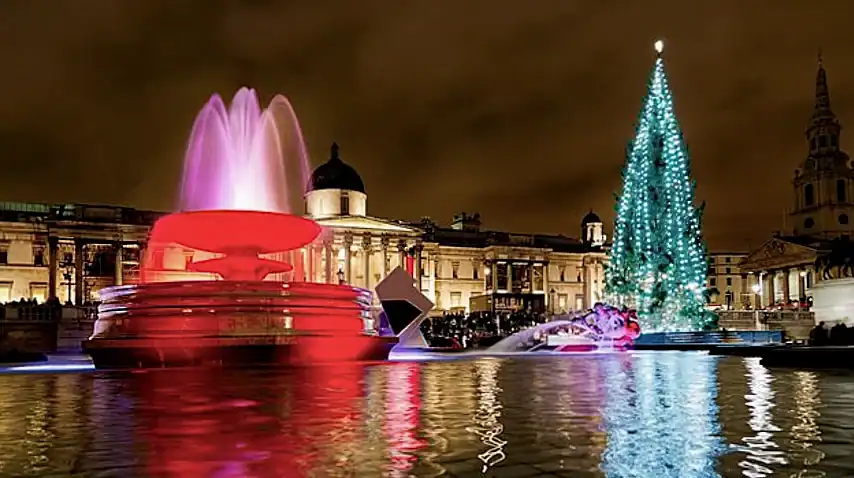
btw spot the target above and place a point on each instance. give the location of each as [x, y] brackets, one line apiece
[591, 218]
[335, 174]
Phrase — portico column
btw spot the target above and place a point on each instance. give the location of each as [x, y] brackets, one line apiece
[785, 286]
[52, 253]
[327, 250]
[367, 250]
[78, 272]
[802, 279]
[768, 289]
[401, 254]
[348, 257]
[744, 285]
[546, 283]
[418, 249]
[384, 247]
[120, 265]
[309, 258]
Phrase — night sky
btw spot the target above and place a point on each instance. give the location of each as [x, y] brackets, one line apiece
[520, 110]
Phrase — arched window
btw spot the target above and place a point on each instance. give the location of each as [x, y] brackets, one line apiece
[840, 190]
[809, 197]
[843, 219]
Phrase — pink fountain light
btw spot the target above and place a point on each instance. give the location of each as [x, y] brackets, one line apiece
[235, 160]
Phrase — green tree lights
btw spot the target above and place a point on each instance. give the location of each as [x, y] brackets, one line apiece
[658, 257]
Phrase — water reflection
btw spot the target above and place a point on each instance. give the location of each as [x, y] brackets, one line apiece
[661, 417]
[762, 452]
[487, 418]
[619, 415]
[805, 431]
[403, 410]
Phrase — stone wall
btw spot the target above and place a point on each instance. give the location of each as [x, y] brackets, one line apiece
[796, 324]
[28, 336]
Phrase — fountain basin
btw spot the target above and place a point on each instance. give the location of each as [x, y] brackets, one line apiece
[233, 323]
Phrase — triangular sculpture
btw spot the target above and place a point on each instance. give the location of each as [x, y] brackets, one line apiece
[404, 308]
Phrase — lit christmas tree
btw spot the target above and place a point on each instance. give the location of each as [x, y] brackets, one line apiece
[658, 257]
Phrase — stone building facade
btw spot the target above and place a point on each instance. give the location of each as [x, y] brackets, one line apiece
[72, 251]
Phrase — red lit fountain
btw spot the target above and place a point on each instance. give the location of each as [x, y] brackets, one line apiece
[234, 204]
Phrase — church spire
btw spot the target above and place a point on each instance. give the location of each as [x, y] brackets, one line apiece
[822, 114]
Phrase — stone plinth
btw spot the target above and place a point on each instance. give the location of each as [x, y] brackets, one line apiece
[833, 301]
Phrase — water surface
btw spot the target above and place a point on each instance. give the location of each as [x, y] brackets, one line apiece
[620, 415]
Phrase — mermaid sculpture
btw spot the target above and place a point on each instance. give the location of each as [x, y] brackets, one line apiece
[605, 323]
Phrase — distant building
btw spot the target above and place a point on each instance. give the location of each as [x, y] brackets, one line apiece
[72, 251]
[725, 281]
[782, 270]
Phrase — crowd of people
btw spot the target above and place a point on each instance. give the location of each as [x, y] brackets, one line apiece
[477, 329]
[839, 334]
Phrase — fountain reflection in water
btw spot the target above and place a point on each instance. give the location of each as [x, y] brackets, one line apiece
[403, 416]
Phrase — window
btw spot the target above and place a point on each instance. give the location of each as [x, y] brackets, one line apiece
[456, 299]
[809, 198]
[840, 190]
[38, 291]
[843, 219]
[727, 260]
[822, 141]
[808, 223]
[4, 256]
[455, 270]
[38, 256]
[563, 274]
[728, 270]
[475, 270]
[813, 143]
[345, 205]
[729, 281]
[713, 282]
[833, 141]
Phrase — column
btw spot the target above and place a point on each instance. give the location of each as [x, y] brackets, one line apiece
[120, 263]
[509, 284]
[401, 254]
[367, 250]
[418, 249]
[587, 285]
[52, 259]
[745, 288]
[768, 289]
[309, 259]
[327, 251]
[78, 272]
[785, 286]
[384, 247]
[348, 257]
[802, 286]
[546, 289]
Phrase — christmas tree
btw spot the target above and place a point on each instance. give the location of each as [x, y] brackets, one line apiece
[658, 257]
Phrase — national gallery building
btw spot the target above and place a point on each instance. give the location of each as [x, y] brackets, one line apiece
[71, 251]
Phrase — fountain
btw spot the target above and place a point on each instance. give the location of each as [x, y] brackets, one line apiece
[236, 309]
[602, 328]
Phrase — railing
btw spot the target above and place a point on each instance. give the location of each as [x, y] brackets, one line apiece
[795, 323]
[673, 338]
[46, 313]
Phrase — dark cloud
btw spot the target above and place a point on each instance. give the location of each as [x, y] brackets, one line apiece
[519, 110]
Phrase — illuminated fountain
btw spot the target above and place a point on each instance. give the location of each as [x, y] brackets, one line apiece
[235, 220]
